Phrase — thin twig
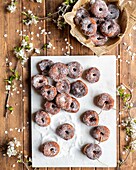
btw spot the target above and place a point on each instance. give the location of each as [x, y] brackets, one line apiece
[8, 95]
[101, 162]
[55, 13]
[124, 161]
[25, 165]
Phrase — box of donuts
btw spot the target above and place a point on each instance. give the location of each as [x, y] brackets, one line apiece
[101, 24]
[73, 111]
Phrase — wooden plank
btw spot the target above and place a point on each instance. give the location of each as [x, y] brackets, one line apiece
[38, 40]
[10, 22]
[127, 78]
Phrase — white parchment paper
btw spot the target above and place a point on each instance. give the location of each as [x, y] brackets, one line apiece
[70, 151]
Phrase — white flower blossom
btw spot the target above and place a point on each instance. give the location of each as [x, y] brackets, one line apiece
[49, 45]
[8, 87]
[37, 50]
[23, 43]
[133, 145]
[39, 1]
[30, 18]
[12, 6]
[12, 147]
[30, 47]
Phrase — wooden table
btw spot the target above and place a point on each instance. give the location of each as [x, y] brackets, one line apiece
[20, 118]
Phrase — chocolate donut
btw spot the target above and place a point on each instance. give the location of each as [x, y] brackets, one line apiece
[100, 133]
[88, 26]
[98, 39]
[92, 75]
[75, 69]
[42, 118]
[92, 151]
[79, 89]
[104, 101]
[44, 66]
[74, 106]
[63, 101]
[58, 72]
[65, 131]
[39, 81]
[90, 118]
[80, 14]
[113, 12]
[99, 9]
[51, 108]
[50, 148]
[63, 86]
[48, 92]
[110, 28]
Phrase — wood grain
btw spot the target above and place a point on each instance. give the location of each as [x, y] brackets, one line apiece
[21, 116]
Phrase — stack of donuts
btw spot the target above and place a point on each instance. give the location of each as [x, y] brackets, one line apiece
[98, 21]
[60, 93]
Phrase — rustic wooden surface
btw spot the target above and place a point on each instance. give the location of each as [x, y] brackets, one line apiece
[9, 23]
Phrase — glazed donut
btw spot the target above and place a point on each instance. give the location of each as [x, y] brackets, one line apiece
[51, 108]
[39, 81]
[99, 9]
[63, 86]
[58, 71]
[48, 92]
[75, 69]
[92, 75]
[79, 89]
[110, 28]
[88, 26]
[92, 151]
[50, 149]
[98, 39]
[74, 106]
[80, 14]
[42, 118]
[90, 118]
[113, 12]
[63, 101]
[104, 101]
[100, 133]
[44, 66]
[65, 131]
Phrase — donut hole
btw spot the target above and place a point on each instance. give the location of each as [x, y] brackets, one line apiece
[82, 16]
[40, 81]
[92, 119]
[48, 92]
[72, 105]
[52, 149]
[95, 152]
[100, 9]
[94, 73]
[109, 27]
[102, 133]
[53, 106]
[63, 87]
[67, 132]
[42, 119]
[89, 25]
[106, 102]
[47, 68]
[74, 69]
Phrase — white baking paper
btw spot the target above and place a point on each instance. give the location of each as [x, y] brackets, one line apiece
[70, 151]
